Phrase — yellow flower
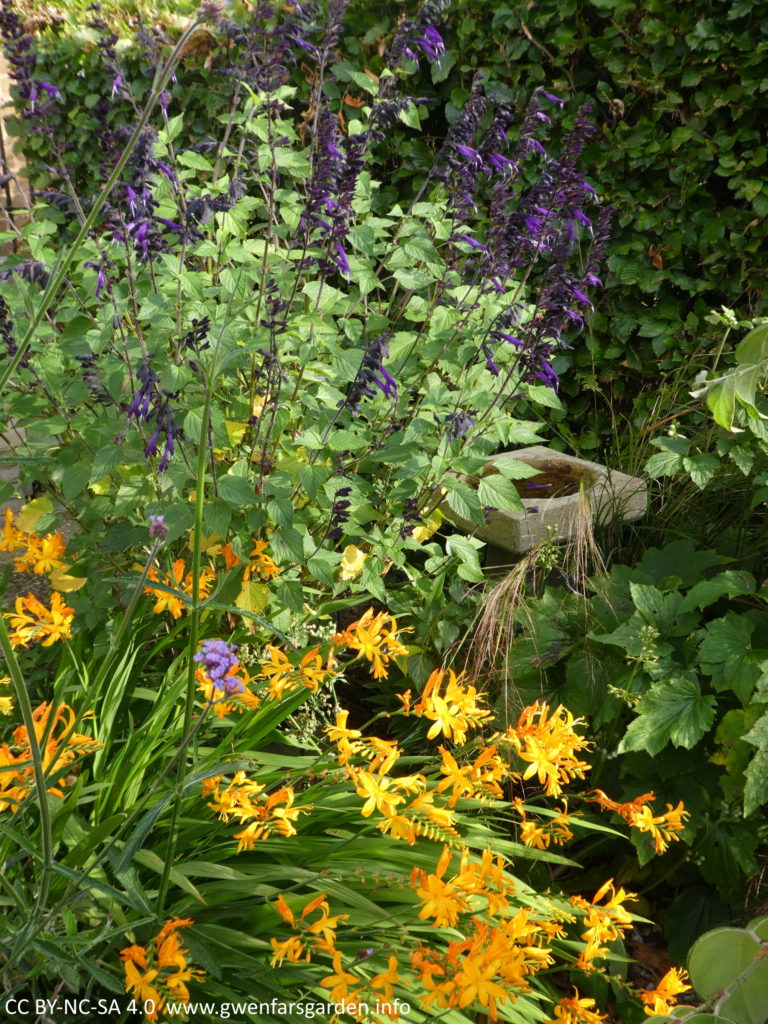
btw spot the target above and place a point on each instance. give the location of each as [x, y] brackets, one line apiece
[386, 980]
[459, 708]
[289, 949]
[176, 580]
[57, 755]
[33, 621]
[6, 703]
[11, 539]
[662, 999]
[284, 676]
[428, 527]
[662, 828]
[352, 562]
[262, 815]
[540, 835]
[339, 982]
[440, 901]
[549, 744]
[573, 1010]
[160, 971]
[374, 636]
[375, 792]
[604, 923]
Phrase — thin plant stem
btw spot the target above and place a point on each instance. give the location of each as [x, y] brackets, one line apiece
[194, 624]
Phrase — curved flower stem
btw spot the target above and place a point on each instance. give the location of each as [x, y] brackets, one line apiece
[46, 835]
[67, 258]
[194, 624]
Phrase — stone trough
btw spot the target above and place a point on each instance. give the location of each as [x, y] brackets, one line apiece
[558, 497]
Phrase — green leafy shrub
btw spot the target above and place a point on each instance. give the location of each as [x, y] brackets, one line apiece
[667, 660]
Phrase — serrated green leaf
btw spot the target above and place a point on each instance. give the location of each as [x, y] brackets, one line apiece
[702, 468]
[236, 491]
[673, 710]
[497, 492]
[756, 788]
[469, 559]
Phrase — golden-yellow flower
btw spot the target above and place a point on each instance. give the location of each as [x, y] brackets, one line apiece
[662, 999]
[160, 971]
[32, 621]
[576, 1010]
[377, 794]
[6, 703]
[177, 580]
[352, 562]
[375, 637]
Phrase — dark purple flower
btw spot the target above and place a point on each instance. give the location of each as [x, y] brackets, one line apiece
[459, 424]
[417, 34]
[151, 405]
[339, 513]
[28, 270]
[371, 375]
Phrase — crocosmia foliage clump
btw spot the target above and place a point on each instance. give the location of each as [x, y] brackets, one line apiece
[245, 374]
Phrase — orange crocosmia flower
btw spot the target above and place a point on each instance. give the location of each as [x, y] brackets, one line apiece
[168, 942]
[386, 980]
[60, 750]
[663, 998]
[264, 565]
[549, 743]
[662, 828]
[576, 1010]
[455, 710]
[339, 981]
[11, 539]
[177, 580]
[230, 558]
[290, 949]
[33, 621]
[284, 910]
[375, 638]
[161, 970]
[377, 793]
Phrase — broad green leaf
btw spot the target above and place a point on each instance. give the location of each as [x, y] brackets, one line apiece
[702, 468]
[236, 491]
[469, 567]
[728, 583]
[497, 492]
[673, 710]
[756, 788]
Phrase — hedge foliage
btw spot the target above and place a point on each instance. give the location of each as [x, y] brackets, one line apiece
[678, 90]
